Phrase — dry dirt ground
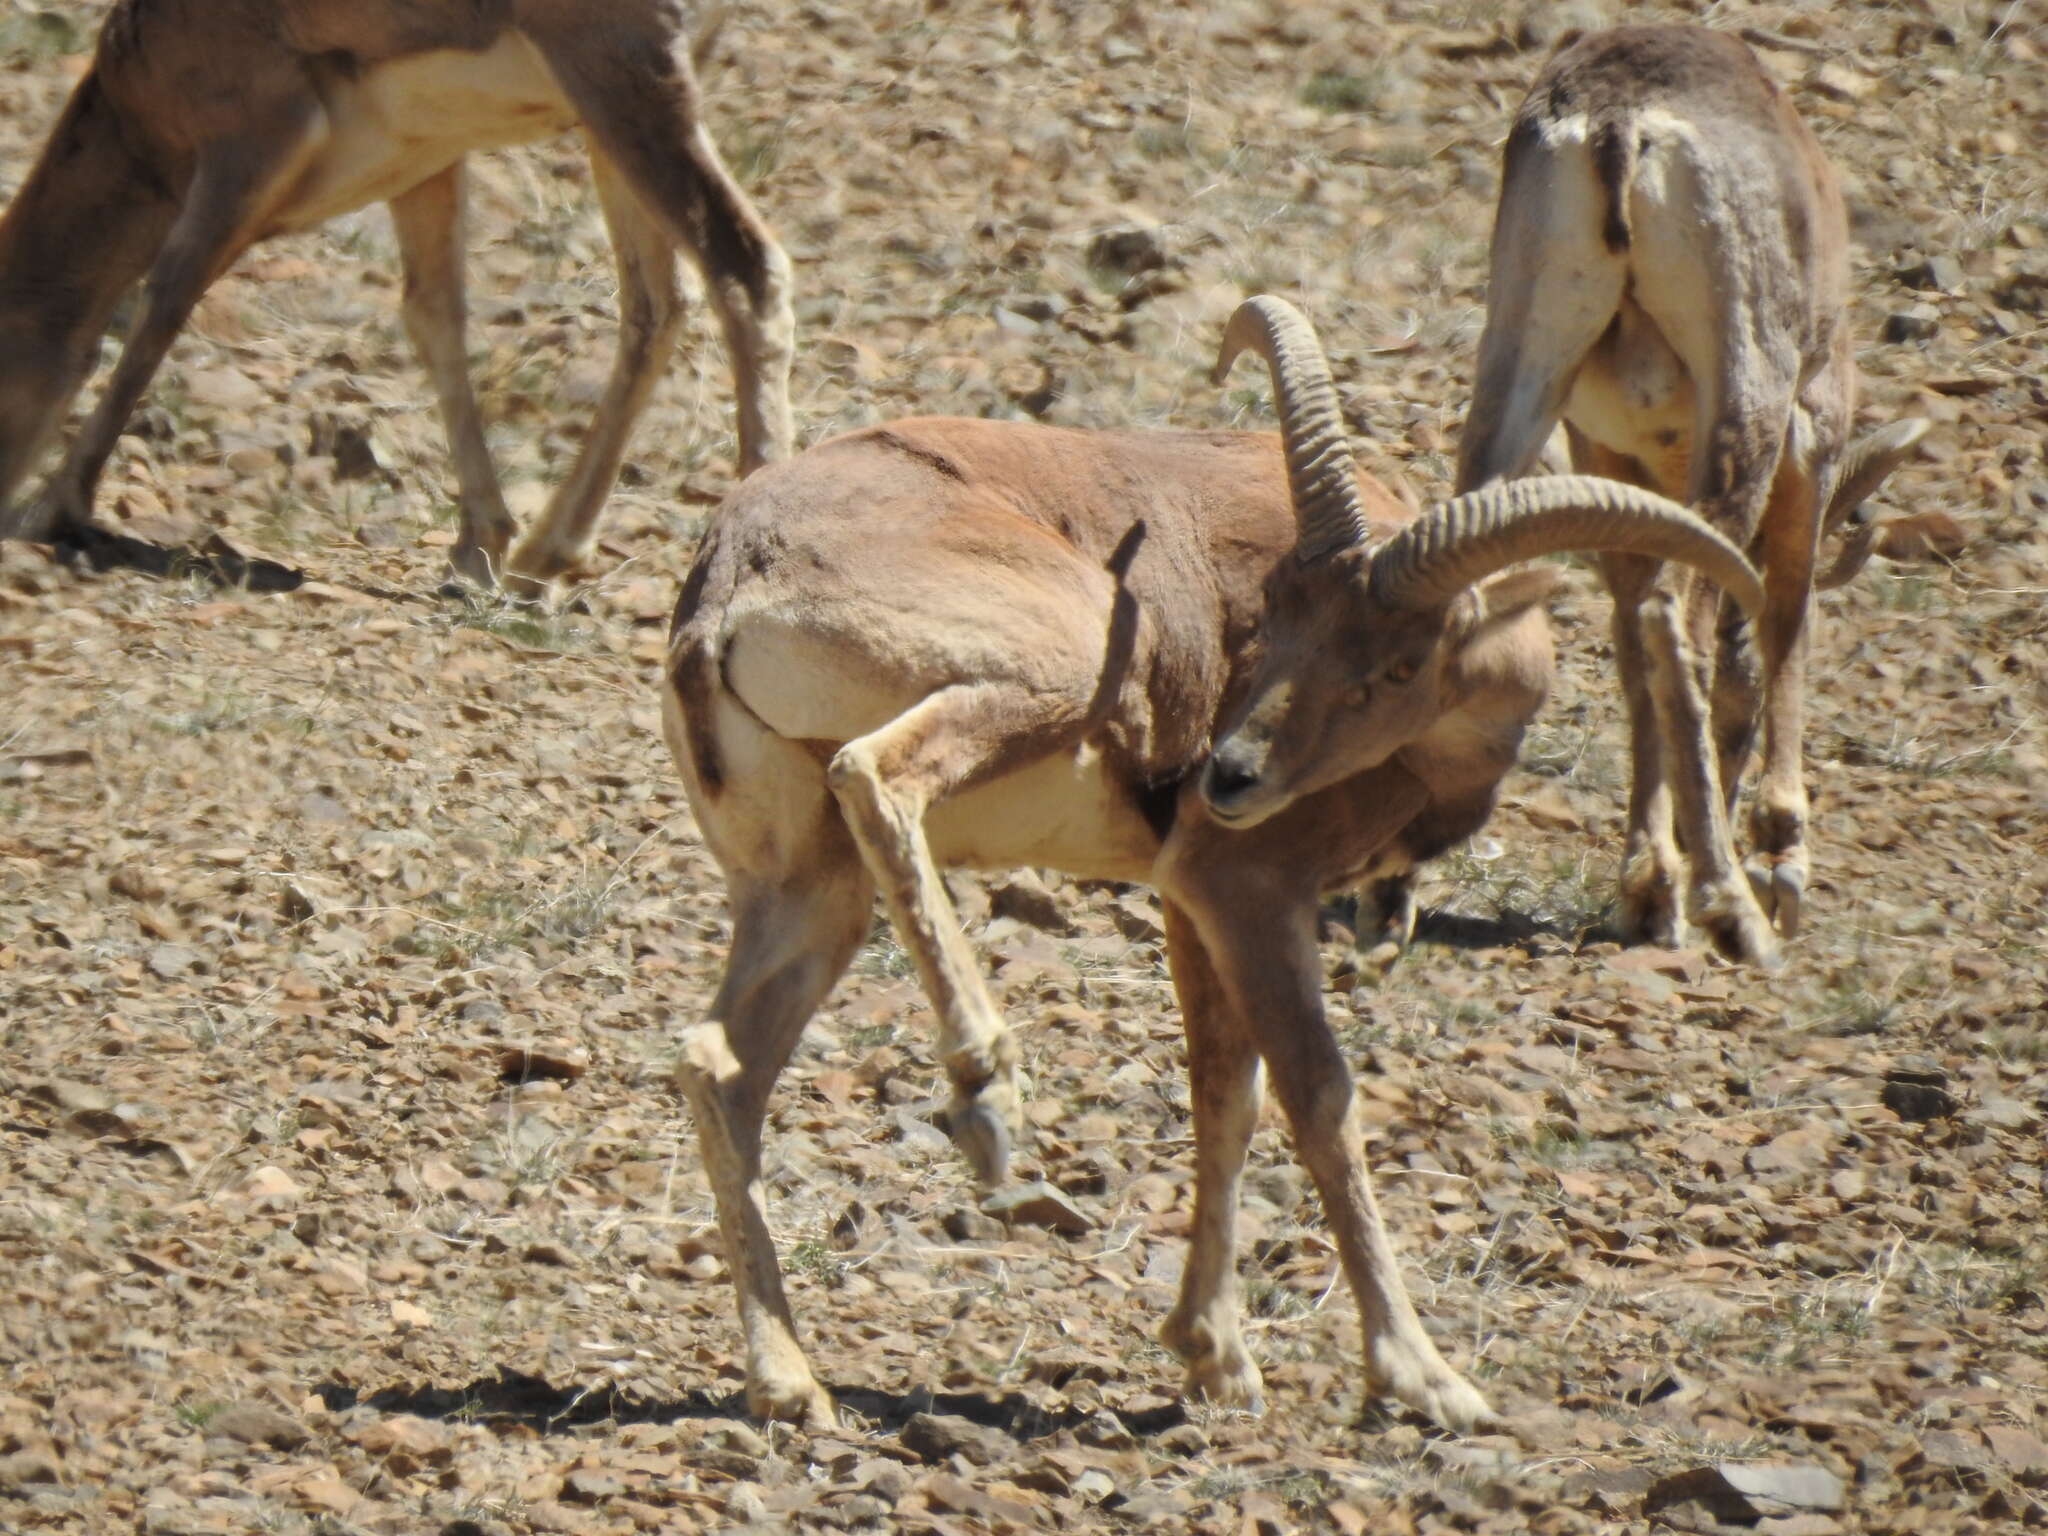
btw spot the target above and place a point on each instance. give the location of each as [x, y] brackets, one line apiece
[344, 935]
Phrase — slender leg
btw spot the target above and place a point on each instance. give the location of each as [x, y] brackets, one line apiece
[1261, 940]
[650, 309]
[1741, 427]
[1745, 375]
[1385, 924]
[234, 186]
[1223, 1067]
[885, 782]
[1777, 869]
[648, 121]
[1652, 869]
[428, 221]
[1737, 700]
[792, 939]
[1256, 925]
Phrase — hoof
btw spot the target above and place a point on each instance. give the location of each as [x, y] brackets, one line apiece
[1218, 1369]
[1431, 1388]
[1780, 887]
[1224, 1385]
[1649, 915]
[1788, 898]
[470, 567]
[983, 1137]
[1739, 929]
[793, 1401]
[1372, 965]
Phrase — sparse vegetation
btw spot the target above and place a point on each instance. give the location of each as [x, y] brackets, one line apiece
[285, 878]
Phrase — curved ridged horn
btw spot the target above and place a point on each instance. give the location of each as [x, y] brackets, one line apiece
[1461, 542]
[1867, 461]
[1320, 476]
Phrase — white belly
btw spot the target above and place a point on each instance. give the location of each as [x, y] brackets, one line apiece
[1064, 812]
[395, 125]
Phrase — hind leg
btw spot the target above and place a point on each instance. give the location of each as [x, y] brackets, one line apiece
[650, 310]
[885, 782]
[428, 222]
[1737, 699]
[1652, 866]
[800, 902]
[630, 80]
[1554, 288]
[1778, 863]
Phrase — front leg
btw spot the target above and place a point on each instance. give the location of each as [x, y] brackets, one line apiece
[235, 185]
[1251, 900]
[1223, 1068]
[428, 222]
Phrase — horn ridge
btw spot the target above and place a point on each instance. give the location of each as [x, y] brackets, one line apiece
[1321, 478]
[1461, 542]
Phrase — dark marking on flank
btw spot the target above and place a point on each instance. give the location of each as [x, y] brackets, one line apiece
[1614, 159]
[693, 673]
[931, 458]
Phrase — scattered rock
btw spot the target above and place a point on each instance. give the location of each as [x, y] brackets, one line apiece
[254, 1423]
[1919, 323]
[1917, 1093]
[1038, 1204]
[1129, 249]
[1024, 897]
[938, 1437]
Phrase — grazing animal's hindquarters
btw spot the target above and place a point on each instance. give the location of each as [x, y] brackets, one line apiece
[1670, 275]
[1174, 657]
[199, 131]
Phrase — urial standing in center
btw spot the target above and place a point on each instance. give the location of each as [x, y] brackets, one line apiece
[1174, 657]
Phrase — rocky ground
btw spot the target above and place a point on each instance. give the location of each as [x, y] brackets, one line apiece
[345, 934]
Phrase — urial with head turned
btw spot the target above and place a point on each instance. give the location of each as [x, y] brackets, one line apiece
[193, 136]
[1670, 276]
[1171, 657]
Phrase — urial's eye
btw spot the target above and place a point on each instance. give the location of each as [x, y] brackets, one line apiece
[1401, 672]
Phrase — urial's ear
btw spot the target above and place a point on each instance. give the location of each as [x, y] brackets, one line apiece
[1515, 593]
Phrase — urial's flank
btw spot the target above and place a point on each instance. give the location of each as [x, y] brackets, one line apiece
[1670, 276]
[1184, 658]
[194, 136]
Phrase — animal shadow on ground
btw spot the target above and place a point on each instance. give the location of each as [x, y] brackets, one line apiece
[214, 559]
[1508, 930]
[513, 1397]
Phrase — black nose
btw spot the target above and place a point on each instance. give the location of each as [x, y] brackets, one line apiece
[1230, 774]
